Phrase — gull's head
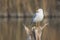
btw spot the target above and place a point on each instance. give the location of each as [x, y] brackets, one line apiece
[40, 10]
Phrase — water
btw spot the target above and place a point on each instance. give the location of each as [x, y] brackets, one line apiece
[12, 28]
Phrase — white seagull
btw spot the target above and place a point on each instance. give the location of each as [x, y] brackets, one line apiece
[38, 17]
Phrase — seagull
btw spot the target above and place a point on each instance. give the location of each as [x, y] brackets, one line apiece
[38, 16]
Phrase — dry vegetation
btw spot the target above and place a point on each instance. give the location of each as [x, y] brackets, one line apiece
[11, 27]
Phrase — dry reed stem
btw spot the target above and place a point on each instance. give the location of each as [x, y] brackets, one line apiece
[37, 32]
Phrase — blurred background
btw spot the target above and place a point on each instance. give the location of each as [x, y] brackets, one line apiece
[15, 13]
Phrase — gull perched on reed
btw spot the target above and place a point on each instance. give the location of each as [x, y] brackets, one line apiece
[38, 17]
[35, 32]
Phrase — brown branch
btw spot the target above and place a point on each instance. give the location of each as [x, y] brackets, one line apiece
[26, 29]
[37, 34]
[44, 26]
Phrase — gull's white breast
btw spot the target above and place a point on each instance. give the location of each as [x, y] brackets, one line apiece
[39, 16]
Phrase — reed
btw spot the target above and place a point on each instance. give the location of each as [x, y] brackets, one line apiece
[34, 33]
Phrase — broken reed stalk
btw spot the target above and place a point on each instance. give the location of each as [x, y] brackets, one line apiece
[34, 33]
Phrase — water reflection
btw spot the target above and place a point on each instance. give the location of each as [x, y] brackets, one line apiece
[12, 28]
